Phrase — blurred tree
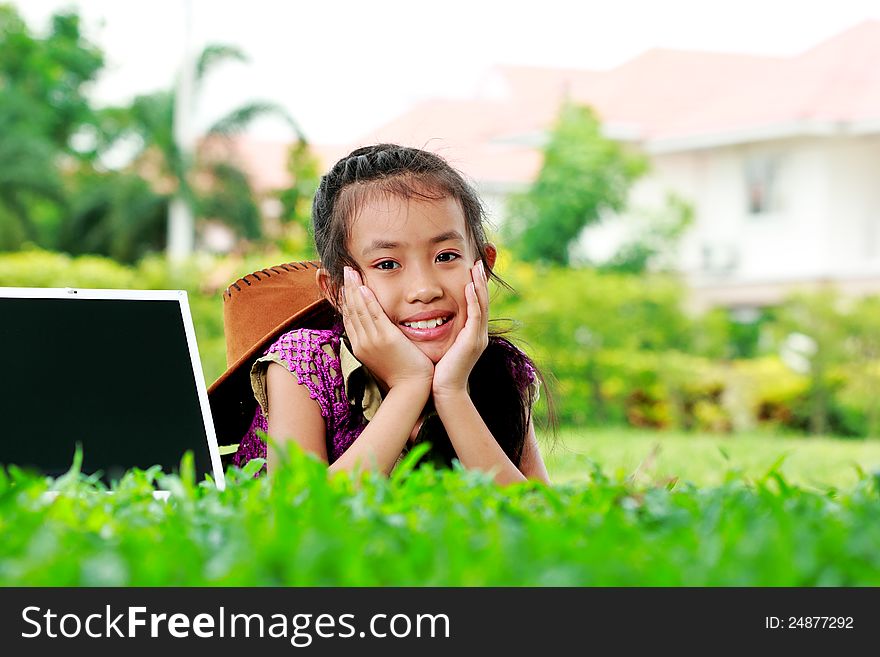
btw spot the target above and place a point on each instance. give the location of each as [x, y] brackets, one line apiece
[577, 317]
[863, 342]
[28, 173]
[212, 185]
[113, 213]
[583, 176]
[45, 119]
[51, 73]
[296, 201]
[814, 330]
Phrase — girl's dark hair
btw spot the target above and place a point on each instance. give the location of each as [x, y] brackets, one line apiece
[500, 381]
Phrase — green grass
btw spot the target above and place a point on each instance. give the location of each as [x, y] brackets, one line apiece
[704, 460]
[436, 528]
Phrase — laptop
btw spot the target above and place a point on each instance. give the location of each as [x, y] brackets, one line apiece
[115, 371]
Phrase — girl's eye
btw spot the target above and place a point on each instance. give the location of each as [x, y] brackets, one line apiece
[387, 264]
[449, 256]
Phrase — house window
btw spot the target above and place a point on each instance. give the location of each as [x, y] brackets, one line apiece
[762, 173]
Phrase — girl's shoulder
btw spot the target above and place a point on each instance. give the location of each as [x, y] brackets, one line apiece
[306, 341]
[312, 355]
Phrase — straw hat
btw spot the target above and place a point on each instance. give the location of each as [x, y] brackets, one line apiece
[257, 309]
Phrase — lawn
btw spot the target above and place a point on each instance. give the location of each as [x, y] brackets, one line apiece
[456, 528]
[706, 460]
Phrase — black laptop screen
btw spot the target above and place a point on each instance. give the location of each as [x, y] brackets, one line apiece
[113, 375]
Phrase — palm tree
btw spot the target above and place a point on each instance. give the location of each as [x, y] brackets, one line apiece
[208, 183]
[113, 213]
[28, 175]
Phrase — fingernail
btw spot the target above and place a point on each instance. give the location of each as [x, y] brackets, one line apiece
[483, 270]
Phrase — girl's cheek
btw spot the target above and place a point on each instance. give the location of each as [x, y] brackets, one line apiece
[383, 297]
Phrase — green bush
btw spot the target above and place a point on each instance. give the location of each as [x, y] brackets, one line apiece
[844, 338]
[856, 409]
[562, 308]
[47, 269]
[617, 346]
[425, 527]
[764, 391]
[616, 349]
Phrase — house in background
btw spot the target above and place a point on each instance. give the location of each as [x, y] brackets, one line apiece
[779, 157]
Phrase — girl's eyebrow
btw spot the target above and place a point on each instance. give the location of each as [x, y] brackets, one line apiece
[378, 245]
[448, 236]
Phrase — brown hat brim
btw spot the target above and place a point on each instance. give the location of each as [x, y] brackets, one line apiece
[284, 298]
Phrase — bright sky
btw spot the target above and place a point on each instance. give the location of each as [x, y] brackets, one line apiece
[344, 67]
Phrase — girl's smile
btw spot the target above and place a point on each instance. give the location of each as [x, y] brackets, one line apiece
[427, 326]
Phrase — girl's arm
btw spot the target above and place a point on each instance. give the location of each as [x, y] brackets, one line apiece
[474, 444]
[531, 463]
[382, 440]
[294, 415]
[477, 448]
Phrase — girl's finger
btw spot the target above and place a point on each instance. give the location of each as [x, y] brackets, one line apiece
[347, 320]
[481, 287]
[474, 311]
[352, 298]
[374, 308]
[366, 316]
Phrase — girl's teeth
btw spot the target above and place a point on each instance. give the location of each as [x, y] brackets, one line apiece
[429, 324]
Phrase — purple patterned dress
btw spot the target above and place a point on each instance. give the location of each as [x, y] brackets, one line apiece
[313, 357]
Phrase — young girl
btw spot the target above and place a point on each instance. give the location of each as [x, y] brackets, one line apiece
[405, 263]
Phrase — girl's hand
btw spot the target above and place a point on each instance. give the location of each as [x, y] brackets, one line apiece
[452, 372]
[377, 342]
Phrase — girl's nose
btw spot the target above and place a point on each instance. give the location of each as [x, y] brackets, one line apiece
[423, 289]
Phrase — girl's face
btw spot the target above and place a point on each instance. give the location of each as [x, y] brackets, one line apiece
[416, 257]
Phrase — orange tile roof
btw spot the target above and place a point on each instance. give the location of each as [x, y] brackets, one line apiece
[266, 161]
[837, 81]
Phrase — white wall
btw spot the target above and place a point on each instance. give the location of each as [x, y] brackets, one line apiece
[827, 223]
[853, 221]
